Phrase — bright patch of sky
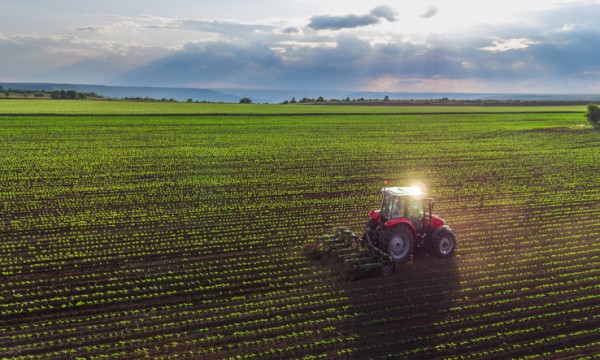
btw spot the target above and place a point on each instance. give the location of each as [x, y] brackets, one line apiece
[394, 45]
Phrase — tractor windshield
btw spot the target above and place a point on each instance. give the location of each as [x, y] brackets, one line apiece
[392, 207]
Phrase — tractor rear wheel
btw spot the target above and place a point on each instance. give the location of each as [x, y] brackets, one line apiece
[399, 241]
[443, 244]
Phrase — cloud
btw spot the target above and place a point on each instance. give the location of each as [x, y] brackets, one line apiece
[68, 58]
[89, 28]
[384, 11]
[430, 12]
[236, 63]
[542, 48]
[327, 22]
[227, 28]
[510, 44]
[290, 30]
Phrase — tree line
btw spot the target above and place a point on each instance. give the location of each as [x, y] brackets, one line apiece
[321, 99]
[56, 94]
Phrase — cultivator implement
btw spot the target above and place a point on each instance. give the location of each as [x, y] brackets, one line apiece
[351, 257]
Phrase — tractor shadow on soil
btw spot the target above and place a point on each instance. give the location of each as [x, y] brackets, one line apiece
[399, 313]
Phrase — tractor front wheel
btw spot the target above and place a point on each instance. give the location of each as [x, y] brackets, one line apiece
[400, 241]
[443, 244]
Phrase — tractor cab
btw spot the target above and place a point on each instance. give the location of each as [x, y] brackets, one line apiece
[404, 204]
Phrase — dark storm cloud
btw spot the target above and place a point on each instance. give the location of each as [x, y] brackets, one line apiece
[210, 62]
[563, 43]
[321, 67]
[327, 22]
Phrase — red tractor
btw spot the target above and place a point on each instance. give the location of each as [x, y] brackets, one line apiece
[403, 223]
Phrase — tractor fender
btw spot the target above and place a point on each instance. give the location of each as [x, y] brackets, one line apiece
[437, 221]
[439, 229]
[393, 222]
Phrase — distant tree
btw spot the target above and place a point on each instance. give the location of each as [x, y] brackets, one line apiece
[386, 98]
[245, 101]
[190, 100]
[593, 114]
[69, 95]
[320, 99]
[293, 101]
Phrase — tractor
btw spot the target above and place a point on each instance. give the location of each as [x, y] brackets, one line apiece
[404, 223]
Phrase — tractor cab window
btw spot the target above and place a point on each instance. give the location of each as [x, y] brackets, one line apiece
[398, 208]
[415, 208]
[416, 212]
[386, 206]
[392, 207]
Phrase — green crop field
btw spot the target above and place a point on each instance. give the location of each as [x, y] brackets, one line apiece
[102, 107]
[163, 230]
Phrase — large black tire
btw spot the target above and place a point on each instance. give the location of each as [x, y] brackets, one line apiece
[443, 243]
[399, 241]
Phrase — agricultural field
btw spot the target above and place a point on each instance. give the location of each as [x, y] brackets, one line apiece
[180, 234]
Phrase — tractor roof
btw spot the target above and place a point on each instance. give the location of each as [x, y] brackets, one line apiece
[404, 191]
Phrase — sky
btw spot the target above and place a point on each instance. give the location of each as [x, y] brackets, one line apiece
[508, 46]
